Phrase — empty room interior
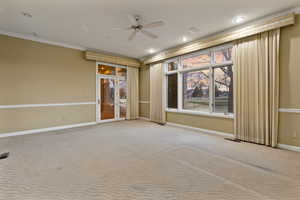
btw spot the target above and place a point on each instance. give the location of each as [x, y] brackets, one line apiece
[140, 100]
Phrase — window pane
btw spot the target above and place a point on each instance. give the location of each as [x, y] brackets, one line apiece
[172, 91]
[123, 98]
[223, 101]
[106, 70]
[196, 61]
[196, 90]
[121, 71]
[223, 55]
[172, 65]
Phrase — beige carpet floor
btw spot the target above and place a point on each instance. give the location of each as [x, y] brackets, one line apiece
[141, 160]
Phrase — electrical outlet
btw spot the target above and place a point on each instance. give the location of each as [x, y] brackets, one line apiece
[294, 134]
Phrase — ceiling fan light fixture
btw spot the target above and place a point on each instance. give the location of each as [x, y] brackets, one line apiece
[137, 27]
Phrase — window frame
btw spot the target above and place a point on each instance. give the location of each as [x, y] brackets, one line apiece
[180, 70]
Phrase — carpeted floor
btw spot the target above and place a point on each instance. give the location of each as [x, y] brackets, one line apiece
[142, 160]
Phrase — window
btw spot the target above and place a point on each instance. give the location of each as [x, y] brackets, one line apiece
[196, 61]
[196, 90]
[223, 55]
[172, 65]
[121, 71]
[111, 70]
[201, 82]
[223, 90]
[172, 91]
[106, 70]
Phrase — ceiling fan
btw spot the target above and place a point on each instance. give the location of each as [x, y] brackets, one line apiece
[136, 27]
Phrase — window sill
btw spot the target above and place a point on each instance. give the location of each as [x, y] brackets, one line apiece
[221, 115]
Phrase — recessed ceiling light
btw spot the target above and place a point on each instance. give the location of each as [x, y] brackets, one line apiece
[239, 19]
[184, 39]
[26, 14]
[151, 50]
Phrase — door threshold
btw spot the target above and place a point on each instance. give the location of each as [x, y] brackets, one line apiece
[107, 121]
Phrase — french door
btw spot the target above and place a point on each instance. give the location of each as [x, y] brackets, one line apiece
[112, 98]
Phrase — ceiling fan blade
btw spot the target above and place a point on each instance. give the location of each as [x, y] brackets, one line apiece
[154, 24]
[147, 33]
[121, 29]
[132, 35]
[132, 19]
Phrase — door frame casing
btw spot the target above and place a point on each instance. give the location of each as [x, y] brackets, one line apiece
[116, 93]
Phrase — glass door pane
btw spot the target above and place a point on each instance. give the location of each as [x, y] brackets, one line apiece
[107, 91]
[123, 98]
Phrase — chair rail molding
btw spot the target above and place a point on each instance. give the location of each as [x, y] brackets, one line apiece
[46, 105]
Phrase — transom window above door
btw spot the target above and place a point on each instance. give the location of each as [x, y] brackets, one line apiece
[111, 70]
[201, 82]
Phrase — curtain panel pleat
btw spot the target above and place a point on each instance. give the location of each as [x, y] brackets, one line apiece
[132, 111]
[256, 88]
[157, 94]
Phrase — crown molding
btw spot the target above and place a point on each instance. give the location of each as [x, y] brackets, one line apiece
[41, 40]
[278, 20]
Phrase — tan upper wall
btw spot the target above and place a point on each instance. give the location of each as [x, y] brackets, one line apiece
[289, 128]
[20, 119]
[36, 73]
[290, 66]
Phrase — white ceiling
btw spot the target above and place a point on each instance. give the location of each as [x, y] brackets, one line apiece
[91, 23]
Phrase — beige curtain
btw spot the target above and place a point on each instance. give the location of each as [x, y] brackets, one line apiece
[132, 93]
[256, 88]
[157, 94]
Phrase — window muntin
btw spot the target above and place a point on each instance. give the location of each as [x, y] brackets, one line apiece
[172, 91]
[204, 82]
[196, 86]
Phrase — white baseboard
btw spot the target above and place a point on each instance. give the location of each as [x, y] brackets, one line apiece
[289, 110]
[201, 130]
[288, 147]
[54, 128]
[144, 118]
